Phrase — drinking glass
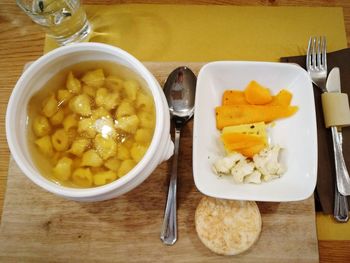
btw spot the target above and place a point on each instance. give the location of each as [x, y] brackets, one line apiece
[63, 20]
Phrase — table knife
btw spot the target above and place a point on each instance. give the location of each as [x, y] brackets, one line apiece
[341, 207]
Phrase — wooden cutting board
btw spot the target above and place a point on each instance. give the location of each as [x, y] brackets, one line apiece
[38, 226]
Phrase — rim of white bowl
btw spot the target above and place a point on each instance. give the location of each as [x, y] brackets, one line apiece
[50, 186]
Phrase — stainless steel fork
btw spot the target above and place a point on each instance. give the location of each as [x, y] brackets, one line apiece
[316, 61]
[316, 65]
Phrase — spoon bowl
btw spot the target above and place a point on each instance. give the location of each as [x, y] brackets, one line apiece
[180, 89]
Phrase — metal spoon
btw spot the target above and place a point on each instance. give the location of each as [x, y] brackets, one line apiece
[179, 89]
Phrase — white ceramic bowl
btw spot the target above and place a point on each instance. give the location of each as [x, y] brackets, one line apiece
[296, 134]
[38, 73]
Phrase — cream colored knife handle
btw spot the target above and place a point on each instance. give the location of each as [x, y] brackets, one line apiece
[342, 175]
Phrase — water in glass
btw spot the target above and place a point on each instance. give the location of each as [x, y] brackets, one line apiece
[63, 20]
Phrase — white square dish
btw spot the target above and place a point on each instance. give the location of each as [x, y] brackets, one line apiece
[297, 135]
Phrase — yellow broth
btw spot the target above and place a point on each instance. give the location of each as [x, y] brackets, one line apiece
[90, 124]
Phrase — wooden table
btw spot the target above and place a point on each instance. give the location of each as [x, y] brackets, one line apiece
[22, 41]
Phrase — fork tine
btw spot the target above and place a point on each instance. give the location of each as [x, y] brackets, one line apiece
[324, 52]
[308, 55]
[318, 52]
[313, 62]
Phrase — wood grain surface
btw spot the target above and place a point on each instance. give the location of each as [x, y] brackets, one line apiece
[37, 226]
[22, 42]
[67, 230]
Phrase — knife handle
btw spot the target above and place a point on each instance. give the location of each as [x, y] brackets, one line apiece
[342, 175]
[341, 207]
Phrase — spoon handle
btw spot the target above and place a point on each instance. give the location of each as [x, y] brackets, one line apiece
[169, 228]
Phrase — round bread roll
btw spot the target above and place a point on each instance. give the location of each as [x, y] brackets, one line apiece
[227, 227]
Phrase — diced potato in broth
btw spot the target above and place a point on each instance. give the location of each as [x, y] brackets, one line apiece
[90, 124]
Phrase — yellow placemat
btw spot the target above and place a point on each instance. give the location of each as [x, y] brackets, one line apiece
[207, 33]
[328, 229]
